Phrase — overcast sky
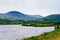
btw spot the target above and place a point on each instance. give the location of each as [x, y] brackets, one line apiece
[31, 7]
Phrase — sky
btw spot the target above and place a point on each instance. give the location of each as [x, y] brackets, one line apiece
[31, 7]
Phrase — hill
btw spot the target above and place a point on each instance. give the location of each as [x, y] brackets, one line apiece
[52, 18]
[17, 15]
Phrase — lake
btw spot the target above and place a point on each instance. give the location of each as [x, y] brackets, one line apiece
[17, 32]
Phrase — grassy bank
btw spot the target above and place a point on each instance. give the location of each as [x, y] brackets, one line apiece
[41, 24]
[38, 25]
[53, 35]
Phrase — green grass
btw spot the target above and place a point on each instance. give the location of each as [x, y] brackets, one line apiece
[38, 25]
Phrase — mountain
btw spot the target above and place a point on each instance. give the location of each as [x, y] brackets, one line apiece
[17, 15]
[52, 18]
[38, 16]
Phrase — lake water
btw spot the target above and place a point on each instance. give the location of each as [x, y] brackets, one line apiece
[17, 32]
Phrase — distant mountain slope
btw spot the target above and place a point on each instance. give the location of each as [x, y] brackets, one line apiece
[38, 16]
[17, 15]
[52, 18]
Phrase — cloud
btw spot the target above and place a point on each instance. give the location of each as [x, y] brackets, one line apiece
[31, 7]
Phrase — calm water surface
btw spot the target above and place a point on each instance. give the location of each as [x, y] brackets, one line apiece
[17, 32]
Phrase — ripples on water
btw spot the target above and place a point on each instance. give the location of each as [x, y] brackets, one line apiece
[15, 32]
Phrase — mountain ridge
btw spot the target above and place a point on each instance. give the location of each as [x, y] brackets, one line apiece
[16, 14]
